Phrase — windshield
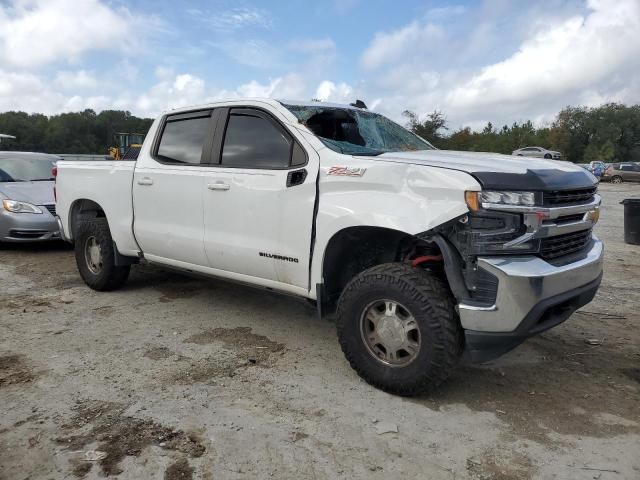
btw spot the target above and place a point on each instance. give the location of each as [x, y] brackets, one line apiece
[357, 132]
[25, 169]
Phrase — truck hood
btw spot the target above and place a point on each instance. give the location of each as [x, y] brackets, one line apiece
[497, 171]
[37, 193]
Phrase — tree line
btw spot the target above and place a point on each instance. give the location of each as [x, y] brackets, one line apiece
[610, 132]
[76, 132]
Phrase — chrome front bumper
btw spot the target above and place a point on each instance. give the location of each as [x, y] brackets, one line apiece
[526, 282]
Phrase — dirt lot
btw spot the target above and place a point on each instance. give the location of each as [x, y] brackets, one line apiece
[179, 378]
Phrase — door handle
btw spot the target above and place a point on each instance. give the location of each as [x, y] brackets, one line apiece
[218, 186]
[145, 181]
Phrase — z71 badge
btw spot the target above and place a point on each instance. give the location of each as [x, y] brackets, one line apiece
[346, 171]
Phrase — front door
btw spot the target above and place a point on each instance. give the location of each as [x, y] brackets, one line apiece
[259, 199]
[167, 191]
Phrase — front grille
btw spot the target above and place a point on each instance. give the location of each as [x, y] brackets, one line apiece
[569, 218]
[561, 245]
[51, 208]
[568, 197]
[27, 234]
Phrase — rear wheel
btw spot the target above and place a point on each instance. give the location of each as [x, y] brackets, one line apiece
[398, 328]
[616, 179]
[95, 256]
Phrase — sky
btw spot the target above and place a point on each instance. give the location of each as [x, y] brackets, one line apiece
[476, 61]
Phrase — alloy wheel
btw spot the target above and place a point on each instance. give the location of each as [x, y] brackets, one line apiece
[390, 333]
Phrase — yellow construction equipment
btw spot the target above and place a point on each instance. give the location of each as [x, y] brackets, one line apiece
[126, 145]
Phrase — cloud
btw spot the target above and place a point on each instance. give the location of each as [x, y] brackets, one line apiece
[234, 19]
[390, 47]
[539, 61]
[290, 86]
[38, 32]
[445, 12]
[562, 58]
[329, 91]
[495, 60]
[76, 80]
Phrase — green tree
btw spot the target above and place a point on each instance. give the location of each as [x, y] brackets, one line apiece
[609, 132]
[73, 132]
[429, 129]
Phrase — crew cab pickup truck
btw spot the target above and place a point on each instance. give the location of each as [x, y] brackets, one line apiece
[423, 257]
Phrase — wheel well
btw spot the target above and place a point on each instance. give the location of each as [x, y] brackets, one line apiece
[83, 209]
[355, 249]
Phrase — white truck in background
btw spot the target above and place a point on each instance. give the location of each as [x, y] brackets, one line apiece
[425, 256]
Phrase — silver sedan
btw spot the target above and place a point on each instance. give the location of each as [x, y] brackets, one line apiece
[537, 152]
[28, 207]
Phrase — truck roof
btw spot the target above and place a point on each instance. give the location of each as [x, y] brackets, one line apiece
[269, 101]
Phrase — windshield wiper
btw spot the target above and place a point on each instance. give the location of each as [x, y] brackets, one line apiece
[42, 179]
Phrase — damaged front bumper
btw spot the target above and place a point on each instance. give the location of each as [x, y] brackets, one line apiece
[533, 296]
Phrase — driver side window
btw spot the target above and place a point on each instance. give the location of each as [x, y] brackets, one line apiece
[253, 140]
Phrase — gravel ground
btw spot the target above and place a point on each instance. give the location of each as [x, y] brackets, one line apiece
[178, 378]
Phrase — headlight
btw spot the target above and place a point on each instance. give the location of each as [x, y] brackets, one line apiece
[527, 199]
[476, 199]
[19, 207]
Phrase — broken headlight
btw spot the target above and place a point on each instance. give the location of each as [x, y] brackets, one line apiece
[489, 233]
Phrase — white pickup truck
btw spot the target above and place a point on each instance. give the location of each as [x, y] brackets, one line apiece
[425, 256]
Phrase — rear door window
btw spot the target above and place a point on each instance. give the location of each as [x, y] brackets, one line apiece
[254, 141]
[183, 138]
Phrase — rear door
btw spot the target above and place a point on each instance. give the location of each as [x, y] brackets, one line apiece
[168, 189]
[259, 198]
[627, 172]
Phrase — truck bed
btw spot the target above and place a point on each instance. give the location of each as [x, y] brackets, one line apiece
[109, 184]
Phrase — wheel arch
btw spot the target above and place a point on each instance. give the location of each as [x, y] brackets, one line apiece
[354, 249]
[83, 209]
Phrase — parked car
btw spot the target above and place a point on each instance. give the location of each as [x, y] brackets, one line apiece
[622, 172]
[26, 191]
[424, 255]
[537, 152]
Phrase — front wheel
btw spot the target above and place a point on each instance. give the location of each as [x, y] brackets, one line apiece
[95, 256]
[616, 179]
[398, 328]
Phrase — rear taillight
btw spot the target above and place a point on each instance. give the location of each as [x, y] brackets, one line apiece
[54, 172]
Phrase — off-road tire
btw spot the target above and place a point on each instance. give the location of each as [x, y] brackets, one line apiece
[430, 302]
[110, 277]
